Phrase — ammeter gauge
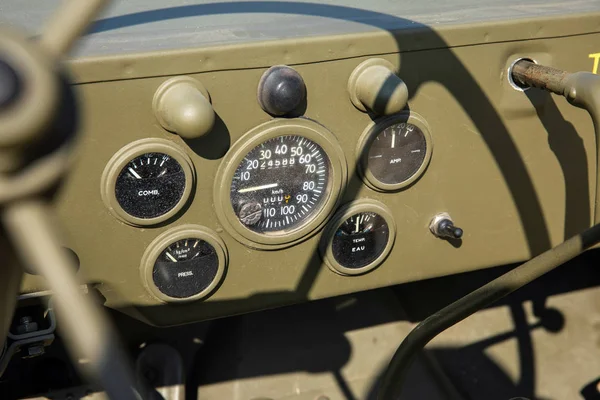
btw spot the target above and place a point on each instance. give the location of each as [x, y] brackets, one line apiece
[147, 182]
[394, 152]
[279, 183]
[358, 238]
[184, 264]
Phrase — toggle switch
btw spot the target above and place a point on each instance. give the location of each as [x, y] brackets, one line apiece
[443, 227]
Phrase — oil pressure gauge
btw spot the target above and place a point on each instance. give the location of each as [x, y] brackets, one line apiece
[394, 152]
[147, 182]
[358, 238]
[183, 264]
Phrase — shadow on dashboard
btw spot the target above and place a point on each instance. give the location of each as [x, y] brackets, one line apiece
[219, 139]
[317, 337]
[314, 337]
[569, 149]
[447, 70]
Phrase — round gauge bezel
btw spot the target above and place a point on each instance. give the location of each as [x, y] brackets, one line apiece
[347, 211]
[278, 127]
[135, 149]
[370, 134]
[171, 236]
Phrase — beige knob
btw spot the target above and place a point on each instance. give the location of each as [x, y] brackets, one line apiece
[374, 86]
[181, 105]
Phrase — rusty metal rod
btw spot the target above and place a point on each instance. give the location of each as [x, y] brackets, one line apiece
[582, 89]
[530, 74]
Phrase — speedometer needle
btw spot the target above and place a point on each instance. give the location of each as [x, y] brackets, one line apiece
[261, 187]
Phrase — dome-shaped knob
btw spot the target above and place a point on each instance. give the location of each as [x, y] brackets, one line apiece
[181, 105]
[374, 86]
[281, 90]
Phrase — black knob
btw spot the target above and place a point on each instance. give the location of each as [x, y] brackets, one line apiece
[281, 90]
[446, 229]
[10, 85]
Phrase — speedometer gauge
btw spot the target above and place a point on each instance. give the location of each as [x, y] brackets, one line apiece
[279, 183]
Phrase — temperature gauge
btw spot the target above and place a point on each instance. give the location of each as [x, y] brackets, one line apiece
[359, 238]
[147, 182]
[186, 263]
[395, 152]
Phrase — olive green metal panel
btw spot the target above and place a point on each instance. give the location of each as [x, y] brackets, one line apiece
[516, 171]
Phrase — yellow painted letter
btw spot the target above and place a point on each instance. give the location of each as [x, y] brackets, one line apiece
[596, 57]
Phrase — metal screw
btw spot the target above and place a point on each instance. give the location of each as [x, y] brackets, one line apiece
[26, 325]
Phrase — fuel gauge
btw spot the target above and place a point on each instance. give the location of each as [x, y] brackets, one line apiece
[150, 185]
[358, 238]
[147, 182]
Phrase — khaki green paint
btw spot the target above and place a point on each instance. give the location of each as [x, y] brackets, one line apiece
[367, 81]
[182, 106]
[463, 178]
[327, 48]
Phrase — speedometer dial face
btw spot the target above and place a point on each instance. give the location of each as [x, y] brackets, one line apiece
[281, 184]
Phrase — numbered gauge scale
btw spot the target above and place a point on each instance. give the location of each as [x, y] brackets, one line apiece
[394, 152]
[147, 182]
[184, 263]
[150, 185]
[280, 182]
[358, 238]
